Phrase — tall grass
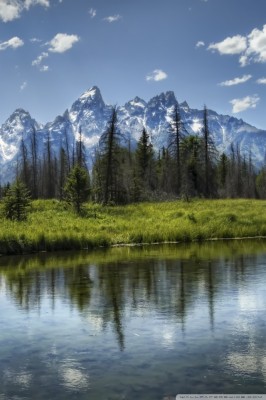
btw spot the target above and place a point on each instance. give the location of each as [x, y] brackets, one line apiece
[51, 225]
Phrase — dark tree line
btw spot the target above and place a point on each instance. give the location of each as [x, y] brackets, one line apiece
[189, 166]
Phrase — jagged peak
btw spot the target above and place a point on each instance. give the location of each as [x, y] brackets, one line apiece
[20, 116]
[92, 93]
[137, 102]
[20, 112]
[66, 114]
[167, 98]
[184, 105]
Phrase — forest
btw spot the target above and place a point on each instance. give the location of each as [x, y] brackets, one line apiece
[188, 167]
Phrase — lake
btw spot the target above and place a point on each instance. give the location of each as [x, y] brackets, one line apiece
[134, 323]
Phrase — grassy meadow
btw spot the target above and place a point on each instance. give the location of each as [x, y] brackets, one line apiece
[52, 225]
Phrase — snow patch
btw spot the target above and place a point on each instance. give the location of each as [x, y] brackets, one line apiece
[196, 125]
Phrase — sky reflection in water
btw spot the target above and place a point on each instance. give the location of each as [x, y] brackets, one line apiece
[134, 323]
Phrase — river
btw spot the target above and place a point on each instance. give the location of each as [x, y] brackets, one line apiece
[134, 323]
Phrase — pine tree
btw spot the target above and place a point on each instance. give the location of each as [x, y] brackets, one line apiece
[145, 164]
[191, 167]
[77, 188]
[25, 167]
[176, 134]
[222, 172]
[107, 171]
[16, 201]
[209, 154]
[34, 163]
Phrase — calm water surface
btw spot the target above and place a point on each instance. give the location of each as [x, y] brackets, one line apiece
[134, 323]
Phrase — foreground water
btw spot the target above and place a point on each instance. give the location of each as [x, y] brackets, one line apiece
[139, 323]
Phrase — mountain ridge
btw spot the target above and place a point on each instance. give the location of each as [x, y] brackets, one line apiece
[90, 113]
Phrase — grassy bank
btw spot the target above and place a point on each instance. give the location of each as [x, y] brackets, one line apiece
[52, 226]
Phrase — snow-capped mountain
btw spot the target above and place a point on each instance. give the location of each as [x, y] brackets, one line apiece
[90, 114]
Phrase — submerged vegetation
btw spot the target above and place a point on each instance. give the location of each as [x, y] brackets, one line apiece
[52, 225]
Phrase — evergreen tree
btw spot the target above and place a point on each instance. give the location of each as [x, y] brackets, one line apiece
[176, 133]
[191, 167]
[145, 165]
[261, 183]
[108, 182]
[77, 188]
[80, 151]
[166, 178]
[63, 171]
[34, 163]
[25, 167]
[209, 158]
[222, 172]
[16, 201]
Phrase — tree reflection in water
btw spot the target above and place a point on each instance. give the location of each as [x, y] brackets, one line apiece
[111, 289]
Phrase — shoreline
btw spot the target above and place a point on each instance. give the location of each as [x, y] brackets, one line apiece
[130, 245]
[51, 226]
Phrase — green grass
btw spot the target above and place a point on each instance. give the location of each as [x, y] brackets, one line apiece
[51, 225]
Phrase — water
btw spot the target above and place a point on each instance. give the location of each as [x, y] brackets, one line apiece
[134, 323]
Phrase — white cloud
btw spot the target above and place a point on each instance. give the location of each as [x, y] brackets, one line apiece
[35, 40]
[244, 103]
[243, 60]
[12, 9]
[44, 68]
[200, 43]
[236, 81]
[29, 3]
[156, 75]
[92, 12]
[251, 48]
[231, 45]
[23, 86]
[261, 81]
[62, 42]
[112, 18]
[37, 62]
[257, 45]
[14, 43]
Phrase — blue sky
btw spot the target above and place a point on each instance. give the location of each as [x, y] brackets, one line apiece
[209, 52]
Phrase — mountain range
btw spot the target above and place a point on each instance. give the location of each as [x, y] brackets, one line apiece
[90, 114]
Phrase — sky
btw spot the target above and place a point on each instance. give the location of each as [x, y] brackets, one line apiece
[209, 52]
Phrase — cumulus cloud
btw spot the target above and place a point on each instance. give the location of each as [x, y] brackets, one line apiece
[92, 12]
[236, 81]
[14, 43]
[156, 75]
[261, 81]
[257, 45]
[231, 45]
[200, 43]
[23, 86]
[62, 42]
[113, 18]
[12, 9]
[245, 103]
[251, 48]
